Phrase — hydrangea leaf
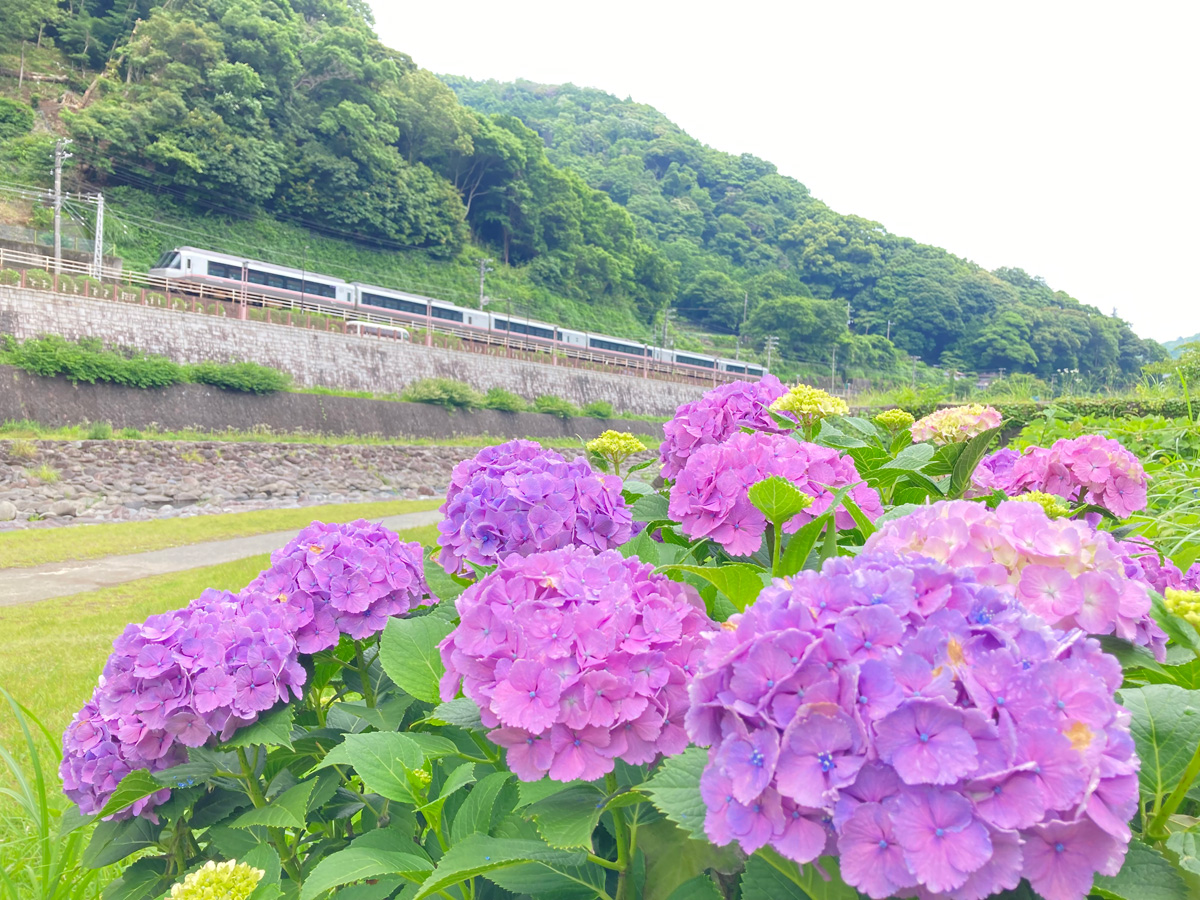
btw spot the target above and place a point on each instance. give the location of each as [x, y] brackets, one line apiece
[651, 508]
[140, 881]
[567, 819]
[832, 436]
[483, 855]
[274, 729]
[356, 863]
[461, 711]
[740, 583]
[1145, 875]
[1186, 845]
[382, 760]
[699, 888]
[531, 792]
[778, 499]
[409, 654]
[288, 810]
[135, 786]
[1178, 629]
[911, 458]
[675, 789]
[799, 546]
[440, 584]
[196, 771]
[113, 841]
[673, 858]
[973, 452]
[477, 812]
[774, 877]
[458, 778]
[1166, 730]
[551, 881]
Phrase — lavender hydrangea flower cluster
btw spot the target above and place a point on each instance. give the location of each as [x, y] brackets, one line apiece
[173, 682]
[1087, 469]
[1059, 569]
[183, 677]
[1142, 562]
[334, 579]
[710, 496]
[576, 659]
[519, 498]
[721, 412]
[922, 726]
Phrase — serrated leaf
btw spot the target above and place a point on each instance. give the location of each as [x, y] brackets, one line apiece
[196, 770]
[140, 881]
[531, 792]
[740, 583]
[974, 451]
[675, 789]
[1166, 730]
[805, 881]
[458, 779]
[135, 786]
[1178, 629]
[567, 819]
[1186, 845]
[288, 810]
[911, 458]
[356, 863]
[461, 711]
[551, 881]
[386, 716]
[433, 746]
[778, 499]
[480, 855]
[897, 512]
[382, 760]
[650, 508]
[673, 858]
[409, 655]
[113, 841]
[800, 545]
[273, 730]
[865, 526]
[475, 816]
[699, 888]
[1145, 875]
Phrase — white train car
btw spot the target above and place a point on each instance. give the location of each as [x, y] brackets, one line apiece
[735, 367]
[517, 325]
[386, 301]
[191, 265]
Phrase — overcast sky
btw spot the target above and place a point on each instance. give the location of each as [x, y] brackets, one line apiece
[1059, 137]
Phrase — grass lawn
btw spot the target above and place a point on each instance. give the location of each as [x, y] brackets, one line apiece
[36, 546]
[54, 650]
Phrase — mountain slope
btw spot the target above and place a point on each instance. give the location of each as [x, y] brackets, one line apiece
[1175, 347]
[739, 231]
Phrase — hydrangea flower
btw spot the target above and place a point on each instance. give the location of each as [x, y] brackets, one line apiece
[945, 741]
[710, 496]
[1185, 604]
[1087, 469]
[1051, 505]
[575, 659]
[956, 423]
[616, 447]
[808, 404]
[181, 678]
[1142, 562]
[719, 413]
[895, 420]
[519, 498]
[229, 880]
[1060, 569]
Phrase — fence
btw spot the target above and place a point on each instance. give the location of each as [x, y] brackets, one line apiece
[23, 235]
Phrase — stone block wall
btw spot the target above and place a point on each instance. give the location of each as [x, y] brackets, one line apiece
[319, 358]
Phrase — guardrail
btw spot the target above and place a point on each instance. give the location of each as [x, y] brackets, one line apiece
[34, 271]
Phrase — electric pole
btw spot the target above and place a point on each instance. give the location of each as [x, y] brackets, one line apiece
[666, 322]
[833, 371]
[772, 343]
[98, 249]
[60, 156]
[483, 270]
[889, 330]
[745, 307]
[849, 317]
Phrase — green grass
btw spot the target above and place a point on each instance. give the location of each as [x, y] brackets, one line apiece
[36, 547]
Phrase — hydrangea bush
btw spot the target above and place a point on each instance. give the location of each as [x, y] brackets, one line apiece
[956, 424]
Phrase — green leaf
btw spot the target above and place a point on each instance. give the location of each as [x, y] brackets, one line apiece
[800, 545]
[274, 730]
[475, 816]
[140, 881]
[409, 654]
[382, 760]
[1178, 629]
[135, 786]
[1146, 875]
[651, 551]
[459, 778]
[1166, 729]
[778, 499]
[113, 841]
[531, 792]
[974, 451]
[675, 789]
[288, 810]
[1186, 845]
[1131, 656]
[199, 770]
[897, 512]
[699, 888]
[785, 879]
[356, 863]
[445, 588]
[865, 526]
[567, 819]
[385, 716]
[650, 508]
[740, 583]
[673, 858]
[481, 855]
[461, 711]
[911, 458]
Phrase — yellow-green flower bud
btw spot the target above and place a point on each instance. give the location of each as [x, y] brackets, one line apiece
[895, 419]
[229, 880]
[616, 447]
[808, 404]
[1054, 506]
[1185, 604]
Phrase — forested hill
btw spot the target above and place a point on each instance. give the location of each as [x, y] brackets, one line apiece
[734, 226]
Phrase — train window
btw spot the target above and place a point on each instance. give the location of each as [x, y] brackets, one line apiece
[734, 367]
[417, 309]
[517, 327]
[254, 276]
[694, 361]
[599, 344]
[754, 370]
[169, 260]
[452, 315]
[220, 270]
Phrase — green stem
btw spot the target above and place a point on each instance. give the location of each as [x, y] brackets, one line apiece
[363, 668]
[776, 541]
[278, 839]
[621, 834]
[601, 861]
[1157, 828]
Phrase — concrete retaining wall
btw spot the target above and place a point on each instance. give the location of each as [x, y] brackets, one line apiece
[318, 358]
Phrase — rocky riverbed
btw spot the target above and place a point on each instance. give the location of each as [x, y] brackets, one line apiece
[46, 483]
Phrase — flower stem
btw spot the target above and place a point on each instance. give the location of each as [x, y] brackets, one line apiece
[621, 834]
[1157, 828]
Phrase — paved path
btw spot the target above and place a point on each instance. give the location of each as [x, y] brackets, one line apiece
[64, 578]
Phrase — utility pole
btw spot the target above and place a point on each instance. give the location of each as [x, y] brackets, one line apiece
[889, 330]
[849, 316]
[745, 307]
[303, 276]
[60, 156]
[833, 370]
[98, 249]
[666, 322]
[483, 270]
[772, 343]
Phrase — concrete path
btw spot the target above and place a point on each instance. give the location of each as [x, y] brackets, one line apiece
[65, 578]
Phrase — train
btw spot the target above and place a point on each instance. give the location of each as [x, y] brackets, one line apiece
[184, 267]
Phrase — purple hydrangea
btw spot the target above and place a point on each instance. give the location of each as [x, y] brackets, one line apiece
[184, 677]
[1143, 563]
[710, 496]
[519, 498]
[721, 412]
[575, 659]
[1061, 569]
[921, 725]
[1087, 469]
[334, 579]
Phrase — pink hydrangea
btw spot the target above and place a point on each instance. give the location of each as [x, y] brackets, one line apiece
[720, 413]
[923, 727]
[955, 424]
[710, 496]
[576, 659]
[1060, 569]
[1088, 469]
[519, 498]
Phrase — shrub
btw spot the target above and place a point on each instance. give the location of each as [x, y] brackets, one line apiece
[599, 409]
[555, 406]
[505, 401]
[15, 119]
[129, 434]
[10, 276]
[88, 286]
[89, 361]
[38, 278]
[443, 392]
[22, 449]
[240, 376]
[99, 431]
[45, 473]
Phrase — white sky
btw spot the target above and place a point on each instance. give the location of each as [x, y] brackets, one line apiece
[1059, 137]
